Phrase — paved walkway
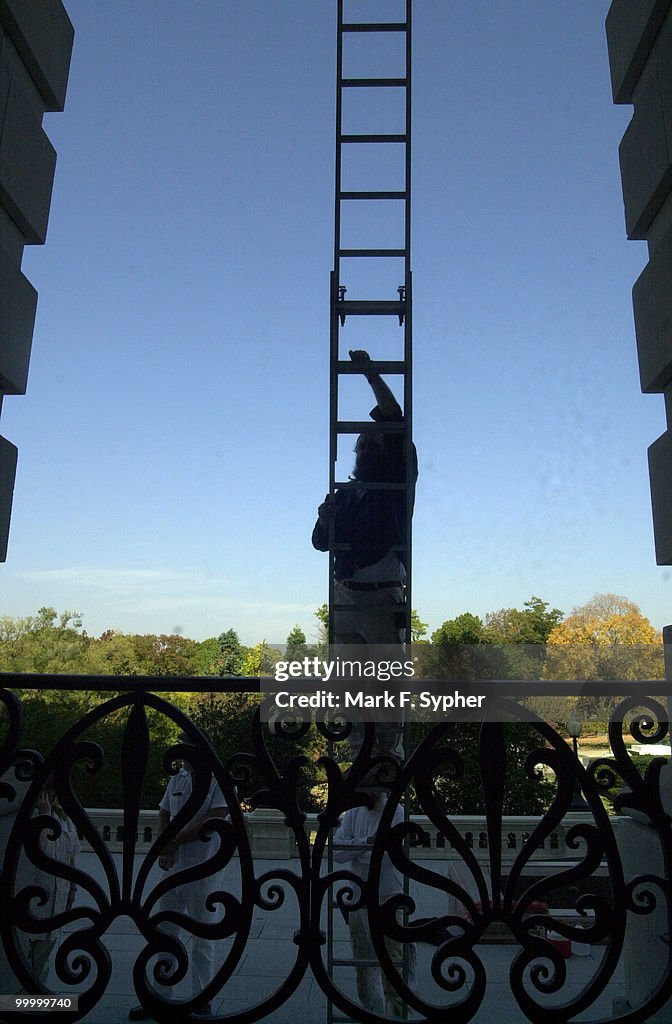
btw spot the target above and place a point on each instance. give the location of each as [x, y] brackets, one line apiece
[271, 950]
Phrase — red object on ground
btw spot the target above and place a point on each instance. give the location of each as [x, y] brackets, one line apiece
[563, 945]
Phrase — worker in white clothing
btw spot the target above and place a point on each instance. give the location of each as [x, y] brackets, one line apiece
[58, 893]
[185, 851]
[352, 842]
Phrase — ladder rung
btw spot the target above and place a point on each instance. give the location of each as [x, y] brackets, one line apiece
[370, 308]
[375, 366]
[348, 547]
[367, 485]
[370, 426]
[371, 252]
[372, 195]
[374, 83]
[358, 962]
[372, 138]
[374, 26]
[399, 606]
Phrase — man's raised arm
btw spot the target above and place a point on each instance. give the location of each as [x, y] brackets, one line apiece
[385, 400]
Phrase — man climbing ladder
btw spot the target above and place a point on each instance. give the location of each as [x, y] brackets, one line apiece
[369, 529]
[365, 522]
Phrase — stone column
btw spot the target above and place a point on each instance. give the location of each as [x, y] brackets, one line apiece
[646, 946]
[35, 45]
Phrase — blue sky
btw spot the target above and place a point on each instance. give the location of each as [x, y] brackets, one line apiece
[173, 441]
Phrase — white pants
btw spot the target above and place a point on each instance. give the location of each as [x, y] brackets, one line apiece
[39, 954]
[371, 618]
[375, 991]
[38, 949]
[190, 901]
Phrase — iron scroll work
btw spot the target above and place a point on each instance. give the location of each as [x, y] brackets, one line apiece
[482, 892]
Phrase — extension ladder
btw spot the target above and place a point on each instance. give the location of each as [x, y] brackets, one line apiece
[372, 177]
[352, 92]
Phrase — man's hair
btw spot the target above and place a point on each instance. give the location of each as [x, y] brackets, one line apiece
[377, 465]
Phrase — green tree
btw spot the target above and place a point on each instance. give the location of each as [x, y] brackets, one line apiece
[464, 629]
[260, 660]
[228, 718]
[172, 655]
[524, 632]
[463, 649]
[322, 616]
[522, 793]
[418, 628]
[49, 714]
[115, 654]
[232, 654]
[221, 655]
[206, 659]
[295, 645]
[45, 643]
[141, 654]
[52, 642]
[532, 624]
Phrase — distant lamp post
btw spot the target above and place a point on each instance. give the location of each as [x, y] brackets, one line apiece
[574, 727]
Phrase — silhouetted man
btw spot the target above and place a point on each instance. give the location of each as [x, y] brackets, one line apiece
[369, 578]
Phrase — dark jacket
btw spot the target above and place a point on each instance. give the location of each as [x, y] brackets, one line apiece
[371, 521]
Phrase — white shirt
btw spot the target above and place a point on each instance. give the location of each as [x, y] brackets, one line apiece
[390, 567]
[358, 824]
[173, 800]
[63, 849]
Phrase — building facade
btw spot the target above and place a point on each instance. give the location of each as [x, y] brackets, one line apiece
[36, 39]
[639, 38]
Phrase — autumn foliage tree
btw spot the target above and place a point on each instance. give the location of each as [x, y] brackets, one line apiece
[606, 638]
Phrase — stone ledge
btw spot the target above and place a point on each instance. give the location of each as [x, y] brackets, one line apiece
[652, 306]
[8, 458]
[43, 35]
[18, 305]
[632, 28]
[660, 476]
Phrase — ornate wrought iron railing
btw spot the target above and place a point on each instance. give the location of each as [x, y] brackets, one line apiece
[486, 890]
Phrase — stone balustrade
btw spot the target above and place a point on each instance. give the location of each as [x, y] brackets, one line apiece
[270, 839]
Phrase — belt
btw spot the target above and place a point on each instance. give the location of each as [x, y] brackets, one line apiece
[384, 585]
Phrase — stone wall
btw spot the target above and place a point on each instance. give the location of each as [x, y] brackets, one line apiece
[639, 38]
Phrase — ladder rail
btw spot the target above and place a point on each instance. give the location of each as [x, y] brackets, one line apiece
[408, 326]
[340, 309]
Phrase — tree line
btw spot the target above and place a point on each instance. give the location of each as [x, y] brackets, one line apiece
[608, 637]
[587, 639]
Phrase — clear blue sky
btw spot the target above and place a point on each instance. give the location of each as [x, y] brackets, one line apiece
[173, 441]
